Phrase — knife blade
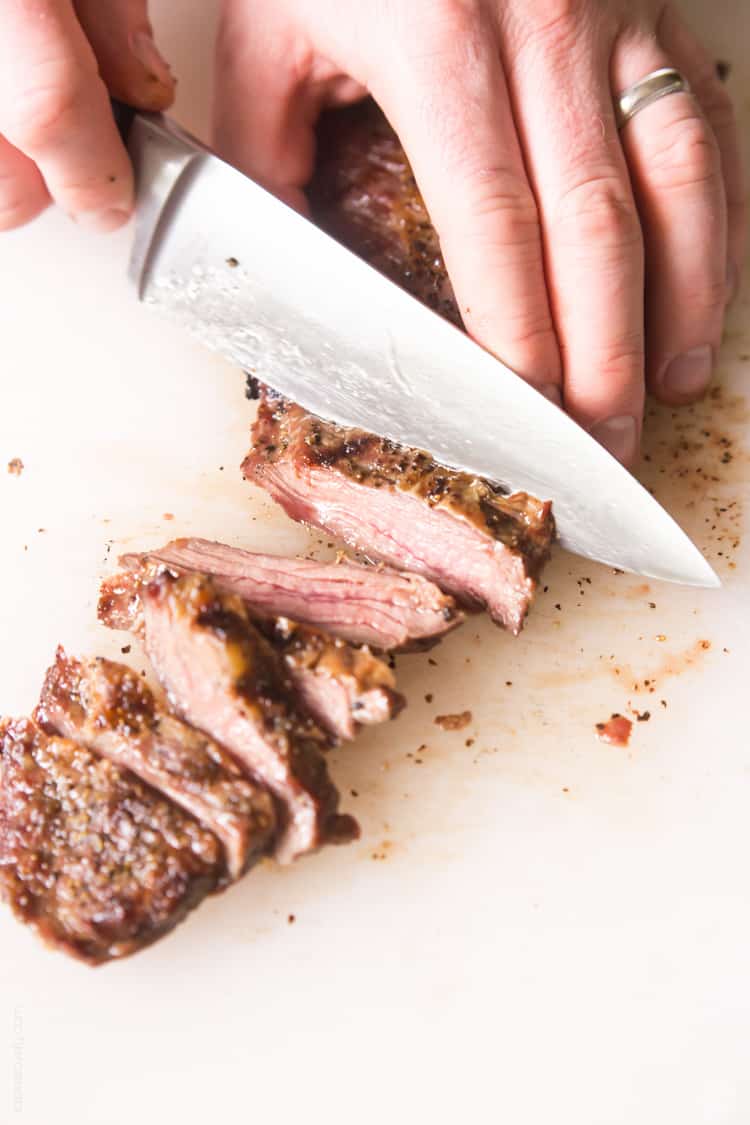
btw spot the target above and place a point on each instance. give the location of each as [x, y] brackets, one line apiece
[268, 290]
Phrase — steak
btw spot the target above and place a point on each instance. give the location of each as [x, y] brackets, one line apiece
[364, 605]
[109, 708]
[364, 194]
[97, 862]
[342, 687]
[401, 506]
[225, 678]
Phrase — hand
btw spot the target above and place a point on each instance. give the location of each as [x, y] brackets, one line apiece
[58, 62]
[593, 263]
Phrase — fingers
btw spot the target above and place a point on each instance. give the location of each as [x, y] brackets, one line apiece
[593, 239]
[447, 99]
[129, 61]
[700, 69]
[23, 193]
[54, 107]
[676, 172]
[270, 88]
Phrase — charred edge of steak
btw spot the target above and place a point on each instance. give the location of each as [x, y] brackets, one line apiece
[364, 194]
[226, 679]
[519, 521]
[99, 864]
[119, 605]
[342, 688]
[109, 708]
[375, 606]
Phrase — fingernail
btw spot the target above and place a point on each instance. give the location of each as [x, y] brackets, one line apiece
[690, 374]
[145, 50]
[619, 435]
[733, 282]
[101, 221]
[552, 392]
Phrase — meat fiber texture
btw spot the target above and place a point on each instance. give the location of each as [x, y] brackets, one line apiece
[342, 686]
[223, 677]
[364, 605]
[399, 505]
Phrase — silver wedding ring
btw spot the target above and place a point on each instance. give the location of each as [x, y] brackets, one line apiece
[641, 94]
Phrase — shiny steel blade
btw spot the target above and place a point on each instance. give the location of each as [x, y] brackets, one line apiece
[269, 291]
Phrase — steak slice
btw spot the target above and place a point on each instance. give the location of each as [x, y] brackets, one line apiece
[399, 505]
[97, 862]
[341, 687]
[108, 707]
[364, 605]
[224, 677]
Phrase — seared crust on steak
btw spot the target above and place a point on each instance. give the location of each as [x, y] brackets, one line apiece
[106, 706]
[225, 678]
[400, 505]
[97, 862]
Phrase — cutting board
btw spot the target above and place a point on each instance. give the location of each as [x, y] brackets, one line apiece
[535, 926]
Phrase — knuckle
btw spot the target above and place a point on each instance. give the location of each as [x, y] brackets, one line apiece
[555, 30]
[50, 107]
[687, 156]
[503, 196]
[599, 210]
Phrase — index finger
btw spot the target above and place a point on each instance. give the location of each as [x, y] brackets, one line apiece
[55, 108]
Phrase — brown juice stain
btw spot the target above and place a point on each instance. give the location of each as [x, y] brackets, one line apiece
[382, 851]
[673, 664]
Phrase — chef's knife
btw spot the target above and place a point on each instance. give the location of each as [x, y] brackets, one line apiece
[264, 287]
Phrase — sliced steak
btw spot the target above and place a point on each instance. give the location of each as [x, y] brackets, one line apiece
[399, 505]
[95, 860]
[364, 605]
[342, 687]
[224, 677]
[108, 707]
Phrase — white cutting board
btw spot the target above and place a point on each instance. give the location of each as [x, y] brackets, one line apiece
[534, 928]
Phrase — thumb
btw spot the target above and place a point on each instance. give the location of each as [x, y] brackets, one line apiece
[130, 64]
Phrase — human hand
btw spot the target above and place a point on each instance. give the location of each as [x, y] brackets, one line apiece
[592, 262]
[59, 61]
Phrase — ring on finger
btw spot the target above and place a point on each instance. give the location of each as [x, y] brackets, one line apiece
[658, 84]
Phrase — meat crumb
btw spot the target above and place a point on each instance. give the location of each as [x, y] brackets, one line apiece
[125, 650]
[233, 263]
[434, 663]
[454, 722]
[643, 716]
[723, 69]
[616, 731]
[429, 697]
[291, 919]
[15, 467]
